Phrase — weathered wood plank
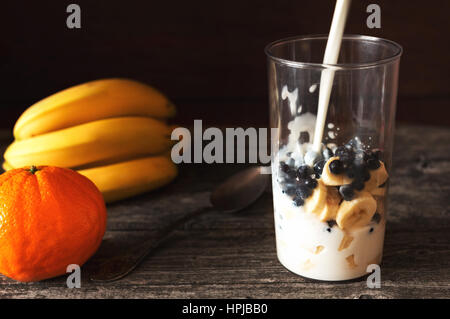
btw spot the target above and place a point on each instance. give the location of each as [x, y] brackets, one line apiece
[233, 255]
[243, 264]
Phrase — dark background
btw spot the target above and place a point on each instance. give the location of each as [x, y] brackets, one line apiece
[207, 56]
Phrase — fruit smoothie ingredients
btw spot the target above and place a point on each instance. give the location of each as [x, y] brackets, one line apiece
[332, 199]
[128, 178]
[111, 140]
[50, 218]
[99, 125]
[92, 101]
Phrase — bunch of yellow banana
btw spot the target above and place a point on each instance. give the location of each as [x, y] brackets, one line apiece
[113, 131]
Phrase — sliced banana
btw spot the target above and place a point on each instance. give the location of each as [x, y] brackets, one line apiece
[345, 242]
[331, 179]
[377, 178]
[315, 203]
[351, 261]
[357, 212]
[331, 207]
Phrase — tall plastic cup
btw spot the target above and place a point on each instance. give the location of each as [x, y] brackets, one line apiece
[330, 203]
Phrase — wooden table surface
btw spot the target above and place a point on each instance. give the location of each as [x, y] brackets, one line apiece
[233, 256]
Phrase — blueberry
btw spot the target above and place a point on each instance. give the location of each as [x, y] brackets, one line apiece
[304, 171]
[310, 182]
[378, 154]
[331, 223]
[373, 163]
[286, 172]
[368, 154]
[347, 192]
[336, 167]
[345, 155]
[361, 157]
[303, 191]
[288, 189]
[357, 184]
[376, 218]
[290, 175]
[284, 167]
[361, 172]
[351, 171]
[365, 174]
[298, 201]
[341, 150]
[318, 167]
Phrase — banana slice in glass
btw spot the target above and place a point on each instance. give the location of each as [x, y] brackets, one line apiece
[377, 178]
[331, 179]
[357, 212]
[331, 207]
[315, 203]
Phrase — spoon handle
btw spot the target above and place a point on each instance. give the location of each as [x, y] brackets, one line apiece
[118, 267]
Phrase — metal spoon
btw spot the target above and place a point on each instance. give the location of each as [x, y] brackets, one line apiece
[233, 195]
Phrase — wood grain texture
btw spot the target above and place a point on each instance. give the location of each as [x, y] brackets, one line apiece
[233, 256]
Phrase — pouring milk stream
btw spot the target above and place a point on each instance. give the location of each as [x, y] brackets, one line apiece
[329, 226]
[327, 77]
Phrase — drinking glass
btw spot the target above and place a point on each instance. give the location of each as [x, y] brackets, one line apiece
[330, 218]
